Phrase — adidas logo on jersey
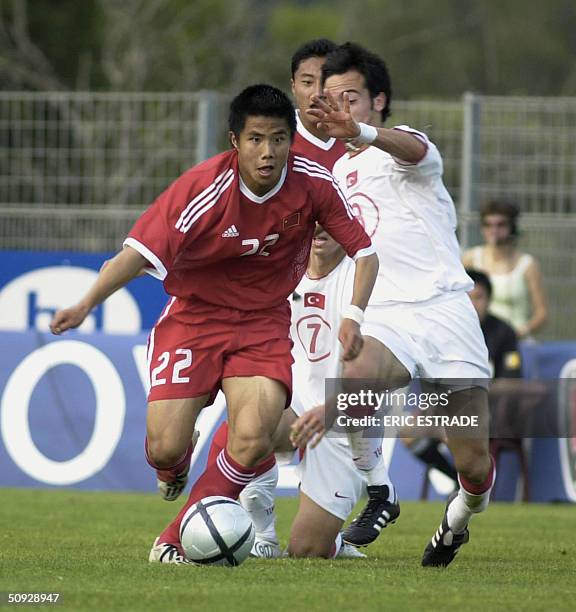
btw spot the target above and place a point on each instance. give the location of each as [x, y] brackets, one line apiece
[231, 232]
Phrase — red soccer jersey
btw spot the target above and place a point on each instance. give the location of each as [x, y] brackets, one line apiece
[307, 145]
[209, 237]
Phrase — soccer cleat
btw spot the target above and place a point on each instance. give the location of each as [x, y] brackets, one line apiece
[444, 544]
[167, 553]
[172, 490]
[264, 549]
[378, 514]
[347, 551]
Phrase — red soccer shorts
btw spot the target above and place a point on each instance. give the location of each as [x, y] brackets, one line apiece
[194, 345]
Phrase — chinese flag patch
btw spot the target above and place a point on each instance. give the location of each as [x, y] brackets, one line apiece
[291, 221]
[352, 179]
[316, 300]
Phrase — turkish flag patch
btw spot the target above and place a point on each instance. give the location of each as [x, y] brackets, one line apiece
[316, 300]
[352, 179]
[291, 221]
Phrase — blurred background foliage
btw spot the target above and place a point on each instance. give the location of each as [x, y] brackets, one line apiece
[435, 49]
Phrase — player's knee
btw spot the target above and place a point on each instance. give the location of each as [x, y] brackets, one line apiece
[249, 449]
[386, 369]
[163, 455]
[474, 467]
[358, 368]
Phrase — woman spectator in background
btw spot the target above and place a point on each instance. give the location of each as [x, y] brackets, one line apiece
[518, 292]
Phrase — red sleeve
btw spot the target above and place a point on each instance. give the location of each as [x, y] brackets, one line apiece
[336, 217]
[155, 234]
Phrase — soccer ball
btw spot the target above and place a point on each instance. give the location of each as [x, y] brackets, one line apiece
[217, 531]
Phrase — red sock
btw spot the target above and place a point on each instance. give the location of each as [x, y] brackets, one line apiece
[219, 441]
[266, 464]
[478, 489]
[224, 477]
[169, 474]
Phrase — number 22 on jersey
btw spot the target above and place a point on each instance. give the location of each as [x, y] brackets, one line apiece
[254, 245]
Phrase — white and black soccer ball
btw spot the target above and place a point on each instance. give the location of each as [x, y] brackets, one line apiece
[217, 531]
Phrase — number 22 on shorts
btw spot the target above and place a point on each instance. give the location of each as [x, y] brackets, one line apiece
[182, 360]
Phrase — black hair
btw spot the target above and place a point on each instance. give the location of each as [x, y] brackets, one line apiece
[319, 47]
[351, 56]
[481, 279]
[506, 209]
[261, 101]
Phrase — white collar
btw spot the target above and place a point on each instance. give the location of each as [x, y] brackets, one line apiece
[261, 199]
[318, 142]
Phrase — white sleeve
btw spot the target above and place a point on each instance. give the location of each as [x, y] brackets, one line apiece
[431, 162]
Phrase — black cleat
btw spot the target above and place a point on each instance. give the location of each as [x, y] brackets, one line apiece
[444, 544]
[378, 514]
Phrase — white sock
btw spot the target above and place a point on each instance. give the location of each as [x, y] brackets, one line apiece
[466, 504]
[366, 448]
[337, 546]
[257, 499]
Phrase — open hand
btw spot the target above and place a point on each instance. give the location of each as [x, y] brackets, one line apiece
[310, 427]
[333, 120]
[68, 318]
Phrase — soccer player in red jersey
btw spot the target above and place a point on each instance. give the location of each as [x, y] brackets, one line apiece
[306, 82]
[314, 144]
[230, 239]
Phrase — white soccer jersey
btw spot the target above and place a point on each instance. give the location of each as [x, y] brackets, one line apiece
[316, 318]
[410, 216]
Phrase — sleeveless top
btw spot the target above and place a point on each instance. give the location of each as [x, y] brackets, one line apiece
[510, 294]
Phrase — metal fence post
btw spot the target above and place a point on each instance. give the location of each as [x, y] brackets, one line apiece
[469, 169]
[207, 125]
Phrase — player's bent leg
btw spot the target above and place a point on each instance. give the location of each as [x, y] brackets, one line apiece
[375, 362]
[259, 496]
[258, 500]
[471, 456]
[255, 406]
[330, 486]
[314, 531]
[169, 441]
[476, 476]
[382, 508]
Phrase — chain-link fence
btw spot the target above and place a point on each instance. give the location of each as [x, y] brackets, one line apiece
[76, 169]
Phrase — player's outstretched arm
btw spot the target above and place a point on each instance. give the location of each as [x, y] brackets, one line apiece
[336, 120]
[118, 272]
[364, 278]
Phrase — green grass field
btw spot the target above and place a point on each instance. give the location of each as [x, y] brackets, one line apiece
[92, 548]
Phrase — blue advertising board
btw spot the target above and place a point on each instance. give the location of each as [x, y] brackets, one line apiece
[33, 285]
[72, 408]
[72, 414]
